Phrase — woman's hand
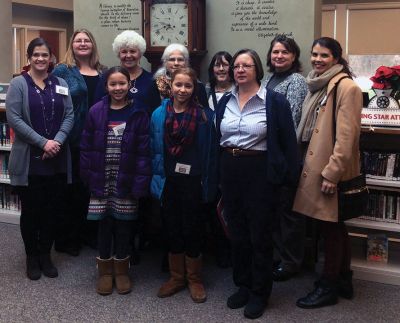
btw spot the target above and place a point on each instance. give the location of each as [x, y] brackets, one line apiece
[327, 187]
[51, 149]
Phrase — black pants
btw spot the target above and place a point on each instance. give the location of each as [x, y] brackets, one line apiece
[182, 214]
[248, 203]
[72, 226]
[114, 235]
[337, 249]
[289, 231]
[41, 201]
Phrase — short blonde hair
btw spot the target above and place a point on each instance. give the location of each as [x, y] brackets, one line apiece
[129, 38]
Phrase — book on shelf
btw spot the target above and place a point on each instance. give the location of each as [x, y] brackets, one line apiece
[383, 166]
[4, 166]
[3, 92]
[7, 134]
[383, 206]
[8, 199]
[377, 247]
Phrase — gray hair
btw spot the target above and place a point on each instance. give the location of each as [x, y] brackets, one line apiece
[129, 38]
[175, 47]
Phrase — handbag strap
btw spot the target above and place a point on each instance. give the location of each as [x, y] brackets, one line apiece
[334, 108]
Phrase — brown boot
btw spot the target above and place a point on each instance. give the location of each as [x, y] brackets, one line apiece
[105, 279]
[193, 270]
[122, 280]
[177, 280]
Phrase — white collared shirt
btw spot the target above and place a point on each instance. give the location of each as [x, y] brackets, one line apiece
[246, 129]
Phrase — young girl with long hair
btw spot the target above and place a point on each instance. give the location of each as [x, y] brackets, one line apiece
[115, 164]
[183, 146]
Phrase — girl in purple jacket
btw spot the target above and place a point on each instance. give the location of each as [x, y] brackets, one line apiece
[115, 164]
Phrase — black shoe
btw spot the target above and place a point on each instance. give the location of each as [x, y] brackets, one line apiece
[255, 307]
[69, 250]
[47, 266]
[238, 299]
[324, 294]
[33, 267]
[279, 274]
[345, 285]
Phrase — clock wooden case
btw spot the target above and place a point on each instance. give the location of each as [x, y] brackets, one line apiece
[174, 21]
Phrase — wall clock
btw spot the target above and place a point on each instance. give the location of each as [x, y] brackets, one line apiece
[174, 21]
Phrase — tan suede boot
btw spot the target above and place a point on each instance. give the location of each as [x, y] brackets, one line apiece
[177, 280]
[193, 275]
[105, 279]
[122, 280]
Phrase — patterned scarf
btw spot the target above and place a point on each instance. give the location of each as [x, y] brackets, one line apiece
[164, 86]
[179, 135]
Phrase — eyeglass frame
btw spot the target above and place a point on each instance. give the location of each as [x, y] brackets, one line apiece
[245, 67]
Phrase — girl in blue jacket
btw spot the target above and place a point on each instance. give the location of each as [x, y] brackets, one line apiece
[183, 145]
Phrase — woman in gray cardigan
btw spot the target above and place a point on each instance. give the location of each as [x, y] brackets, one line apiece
[39, 110]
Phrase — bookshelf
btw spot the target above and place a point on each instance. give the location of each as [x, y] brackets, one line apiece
[9, 203]
[383, 214]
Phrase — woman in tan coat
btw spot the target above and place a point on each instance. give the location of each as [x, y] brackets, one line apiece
[328, 160]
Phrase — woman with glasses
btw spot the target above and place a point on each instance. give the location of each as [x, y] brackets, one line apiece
[257, 154]
[39, 109]
[220, 83]
[175, 56]
[129, 47]
[289, 229]
[81, 69]
[218, 76]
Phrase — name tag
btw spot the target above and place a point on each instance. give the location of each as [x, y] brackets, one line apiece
[61, 90]
[119, 130]
[182, 168]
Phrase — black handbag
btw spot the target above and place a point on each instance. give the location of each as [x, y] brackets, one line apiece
[353, 193]
[352, 198]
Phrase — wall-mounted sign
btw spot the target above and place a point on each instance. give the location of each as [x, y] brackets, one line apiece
[382, 110]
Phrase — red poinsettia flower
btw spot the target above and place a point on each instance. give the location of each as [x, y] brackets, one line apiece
[396, 69]
[384, 71]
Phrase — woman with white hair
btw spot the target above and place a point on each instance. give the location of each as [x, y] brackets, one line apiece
[175, 56]
[129, 47]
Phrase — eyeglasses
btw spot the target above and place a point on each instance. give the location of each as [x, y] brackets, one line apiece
[176, 59]
[245, 67]
[44, 55]
[223, 65]
[85, 41]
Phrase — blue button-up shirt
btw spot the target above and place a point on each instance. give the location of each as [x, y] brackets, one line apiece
[245, 129]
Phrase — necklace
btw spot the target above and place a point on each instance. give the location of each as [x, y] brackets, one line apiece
[133, 88]
[47, 117]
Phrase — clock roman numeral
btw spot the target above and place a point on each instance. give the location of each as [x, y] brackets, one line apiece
[181, 33]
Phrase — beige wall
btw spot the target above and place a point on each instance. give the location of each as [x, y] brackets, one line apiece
[55, 4]
[35, 16]
[219, 24]
[363, 28]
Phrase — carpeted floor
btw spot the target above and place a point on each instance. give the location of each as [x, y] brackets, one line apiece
[72, 298]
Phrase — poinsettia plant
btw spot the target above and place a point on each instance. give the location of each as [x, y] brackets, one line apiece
[386, 78]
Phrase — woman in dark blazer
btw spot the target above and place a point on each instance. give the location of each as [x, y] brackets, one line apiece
[258, 153]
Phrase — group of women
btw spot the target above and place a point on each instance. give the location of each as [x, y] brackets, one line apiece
[92, 142]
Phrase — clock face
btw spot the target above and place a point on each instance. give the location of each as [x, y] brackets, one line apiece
[168, 24]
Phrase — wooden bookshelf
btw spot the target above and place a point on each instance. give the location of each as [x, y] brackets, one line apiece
[375, 225]
[386, 273]
[385, 140]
